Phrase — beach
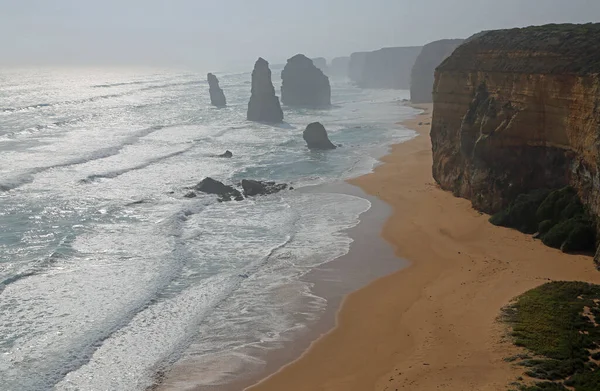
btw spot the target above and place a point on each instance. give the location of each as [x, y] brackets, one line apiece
[434, 324]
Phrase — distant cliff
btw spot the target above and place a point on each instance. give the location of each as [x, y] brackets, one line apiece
[339, 66]
[518, 110]
[356, 66]
[321, 63]
[421, 79]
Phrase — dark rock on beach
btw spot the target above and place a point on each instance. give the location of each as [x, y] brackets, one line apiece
[264, 104]
[316, 137]
[225, 192]
[304, 84]
[217, 97]
[254, 188]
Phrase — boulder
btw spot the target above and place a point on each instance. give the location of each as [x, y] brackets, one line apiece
[217, 97]
[227, 154]
[304, 84]
[315, 136]
[212, 186]
[264, 104]
[254, 188]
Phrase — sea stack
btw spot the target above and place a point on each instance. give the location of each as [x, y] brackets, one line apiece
[321, 63]
[316, 137]
[264, 104]
[421, 78]
[304, 85]
[217, 97]
[388, 68]
[515, 111]
[339, 67]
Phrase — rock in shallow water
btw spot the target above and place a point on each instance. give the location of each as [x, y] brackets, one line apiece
[254, 188]
[225, 192]
[315, 136]
[304, 84]
[217, 97]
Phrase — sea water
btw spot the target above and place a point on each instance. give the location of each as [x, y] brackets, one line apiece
[108, 275]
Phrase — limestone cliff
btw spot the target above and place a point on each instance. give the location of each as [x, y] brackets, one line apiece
[339, 67]
[421, 78]
[304, 84]
[321, 63]
[517, 110]
[388, 68]
[356, 66]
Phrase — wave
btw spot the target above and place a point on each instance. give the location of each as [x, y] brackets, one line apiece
[116, 173]
[93, 98]
[53, 125]
[103, 153]
[108, 85]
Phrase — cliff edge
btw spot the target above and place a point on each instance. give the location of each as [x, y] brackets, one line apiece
[518, 110]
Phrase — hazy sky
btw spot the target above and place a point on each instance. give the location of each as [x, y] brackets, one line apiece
[231, 34]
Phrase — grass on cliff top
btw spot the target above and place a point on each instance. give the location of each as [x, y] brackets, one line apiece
[558, 216]
[556, 322]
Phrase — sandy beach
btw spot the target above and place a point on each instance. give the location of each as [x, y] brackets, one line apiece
[432, 325]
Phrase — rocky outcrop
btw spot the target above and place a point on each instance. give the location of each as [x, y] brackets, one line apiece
[212, 186]
[304, 85]
[316, 137]
[421, 79]
[356, 66]
[321, 63]
[518, 110]
[264, 104]
[339, 67]
[227, 154]
[254, 188]
[388, 68]
[217, 97]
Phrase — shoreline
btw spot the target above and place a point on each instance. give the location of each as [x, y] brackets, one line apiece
[333, 281]
[432, 325]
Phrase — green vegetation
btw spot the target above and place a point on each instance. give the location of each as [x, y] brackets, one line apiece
[556, 323]
[558, 216]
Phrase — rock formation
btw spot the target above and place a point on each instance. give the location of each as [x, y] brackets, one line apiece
[212, 186]
[217, 97]
[264, 104]
[321, 63]
[356, 66]
[339, 67]
[315, 136]
[254, 188]
[518, 110]
[421, 79]
[304, 85]
[388, 68]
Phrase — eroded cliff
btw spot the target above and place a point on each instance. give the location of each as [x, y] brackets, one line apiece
[517, 110]
[388, 68]
[421, 78]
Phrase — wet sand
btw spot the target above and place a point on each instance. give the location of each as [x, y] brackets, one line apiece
[432, 325]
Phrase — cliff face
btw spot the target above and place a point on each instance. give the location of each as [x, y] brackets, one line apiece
[321, 63]
[304, 84]
[388, 68]
[339, 66]
[517, 110]
[356, 66]
[422, 73]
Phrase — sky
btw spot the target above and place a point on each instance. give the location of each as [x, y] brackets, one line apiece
[230, 34]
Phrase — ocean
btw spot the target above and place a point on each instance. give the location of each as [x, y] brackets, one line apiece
[109, 276]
